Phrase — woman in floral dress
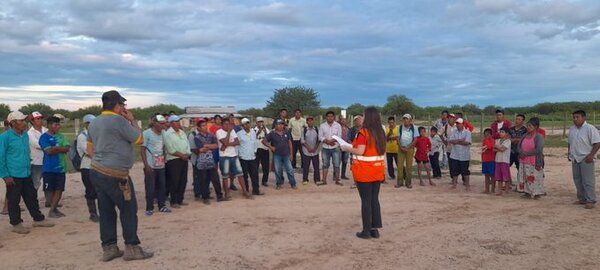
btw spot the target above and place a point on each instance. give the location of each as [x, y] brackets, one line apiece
[531, 155]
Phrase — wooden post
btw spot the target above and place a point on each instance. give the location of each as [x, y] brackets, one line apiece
[481, 126]
[552, 130]
[565, 127]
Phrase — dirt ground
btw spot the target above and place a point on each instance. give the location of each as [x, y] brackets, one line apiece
[313, 228]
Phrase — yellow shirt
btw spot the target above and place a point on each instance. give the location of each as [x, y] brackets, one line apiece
[391, 146]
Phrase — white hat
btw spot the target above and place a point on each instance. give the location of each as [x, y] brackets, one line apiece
[245, 121]
[407, 116]
[88, 118]
[59, 116]
[460, 120]
[16, 115]
[160, 118]
[174, 118]
[36, 115]
[260, 119]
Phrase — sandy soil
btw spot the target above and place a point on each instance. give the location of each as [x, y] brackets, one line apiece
[313, 228]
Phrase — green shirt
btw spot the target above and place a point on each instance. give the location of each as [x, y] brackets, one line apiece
[176, 142]
[14, 155]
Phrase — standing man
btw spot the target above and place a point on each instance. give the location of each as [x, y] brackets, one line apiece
[205, 142]
[330, 150]
[262, 151]
[280, 143]
[391, 147]
[309, 138]
[178, 155]
[499, 124]
[584, 142]
[37, 155]
[407, 135]
[247, 152]
[517, 132]
[153, 157]
[358, 121]
[54, 167]
[110, 145]
[296, 125]
[86, 162]
[461, 154]
[15, 169]
[283, 115]
[346, 137]
[441, 125]
[230, 164]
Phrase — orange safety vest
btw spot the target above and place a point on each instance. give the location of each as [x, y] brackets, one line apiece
[369, 167]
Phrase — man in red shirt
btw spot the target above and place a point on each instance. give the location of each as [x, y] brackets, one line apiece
[499, 124]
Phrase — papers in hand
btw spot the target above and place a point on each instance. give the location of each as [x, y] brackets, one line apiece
[341, 141]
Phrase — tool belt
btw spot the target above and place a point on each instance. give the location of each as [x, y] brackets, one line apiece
[122, 176]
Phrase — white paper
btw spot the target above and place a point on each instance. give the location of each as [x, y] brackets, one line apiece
[341, 141]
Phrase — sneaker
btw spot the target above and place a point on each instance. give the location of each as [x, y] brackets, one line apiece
[294, 187]
[20, 229]
[43, 223]
[305, 182]
[375, 233]
[149, 212]
[53, 214]
[319, 183]
[363, 235]
[110, 253]
[164, 209]
[135, 252]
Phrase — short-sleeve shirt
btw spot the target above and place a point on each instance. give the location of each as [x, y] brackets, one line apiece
[56, 163]
[391, 146]
[296, 127]
[488, 155]
[280, 142]
[113, 138]
[408, 135]
[310, 137]
[154, 144]
[247, 148]
[461, 152]
[517, 134]
[176, 142]
[230, 151]
[205, 161]
[581, 141]
[260, 136]
[193, 146]
[503, 157]
[423, 145]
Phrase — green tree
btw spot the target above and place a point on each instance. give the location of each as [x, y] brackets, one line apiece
[471, 108]
[39, 107]
[355, 109]
[94, 109]
[252, 112]
[4, 110]
[292, 98]
[399, 105]
[490, 109]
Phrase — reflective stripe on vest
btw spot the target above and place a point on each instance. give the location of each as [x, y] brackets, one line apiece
[368, 159]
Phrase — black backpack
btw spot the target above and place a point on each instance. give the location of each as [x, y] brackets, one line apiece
[316, 129]
[74, 155]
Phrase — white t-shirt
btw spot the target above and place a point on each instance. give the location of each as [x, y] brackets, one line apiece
[230, 151]
[503, 157]
[37, 154]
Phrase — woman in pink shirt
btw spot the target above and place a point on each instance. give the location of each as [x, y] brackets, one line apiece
[531, 155]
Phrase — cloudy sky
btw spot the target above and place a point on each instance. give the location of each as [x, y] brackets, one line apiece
[219, 52]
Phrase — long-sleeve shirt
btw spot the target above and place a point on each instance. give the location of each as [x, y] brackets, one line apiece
[14, 155]
[86, 161]
[326, 131]
[176, 142]
[36, 153]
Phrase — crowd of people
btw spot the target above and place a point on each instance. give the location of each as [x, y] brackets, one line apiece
[221, 149]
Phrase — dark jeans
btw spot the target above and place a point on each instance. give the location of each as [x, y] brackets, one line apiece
[205, 177]
[177, 171]
[250, 168]
[23, 187]
[262, 156]
[514, 159]
[296, 147]
[155, 188]
[345, 156]
[109, 197]
[370, 208]
[316, 168]
[434, 160]
[392, 158]
[90, 191]
[195, 181]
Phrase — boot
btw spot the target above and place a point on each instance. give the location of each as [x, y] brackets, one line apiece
[92, 209]
[111, 252]
[135, 252]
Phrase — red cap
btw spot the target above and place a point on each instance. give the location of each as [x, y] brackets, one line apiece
[200, 119]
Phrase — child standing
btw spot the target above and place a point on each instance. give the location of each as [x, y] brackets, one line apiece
[488, 157]
[54, 167]
[423, 146]
[502, 149]
[437, 146]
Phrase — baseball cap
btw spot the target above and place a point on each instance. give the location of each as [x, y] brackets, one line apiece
[279, 121]
[200, 119]
[245, 121]
[88, 118]
[16, 115]
[460, 120]
[174, 118]
[310, 117]
[160, 118]
[59, 116]
[113, 96]
[260, 119]
[407, 116]
[36, 115]
[356, 117]
[452, 115]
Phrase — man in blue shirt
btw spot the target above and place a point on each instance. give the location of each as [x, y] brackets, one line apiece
[54, 166]
[15, 169]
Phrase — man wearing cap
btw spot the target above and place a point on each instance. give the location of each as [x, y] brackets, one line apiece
[262, 151]
[37, 155]
[310, 149]
[461, 153]
[205, 165]
[407, 134]
[15, 169]
[229, 162]
[280, 143]
[445, 134]
[296, 125]
[110, 145]
[178, 151]
[86, 162]
[153, 157]
[247, 153]
[330, 150]
[54, 167]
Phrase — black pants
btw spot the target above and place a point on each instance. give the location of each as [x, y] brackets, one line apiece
[250, 169]
[316, 168]
[110, 197]
[177, 171]
[370, 208]
[392, 158]
[296, 147]
[205, 177]
[90, 191]
[262, 156]
[514, 159]
[155, 188]
[23, 187]
[434, 160]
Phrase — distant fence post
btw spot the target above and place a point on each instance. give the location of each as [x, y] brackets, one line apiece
[481, 125]
[552, 130]
[76, 125]
[565, 126]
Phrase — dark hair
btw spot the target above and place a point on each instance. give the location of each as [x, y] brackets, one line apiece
[225, 120]
[580, 112]
[433, 129]
[461, 114]
[521, 115]
[332, 113]
[372, 123]
[282, 110]
[488, 130]
[391, 118]
[298, 110]
[505, 129]
[445, 112]
[199, 124]
[500, 111]
[421, 128]
[534, 121]
[52, 119]
[218, 116]
[109, 105]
